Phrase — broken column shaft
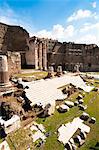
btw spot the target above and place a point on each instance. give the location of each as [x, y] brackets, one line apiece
[36, 56]
[40, 56]
[4, 77]
[44, 56]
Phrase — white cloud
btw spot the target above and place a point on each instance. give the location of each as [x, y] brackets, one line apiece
[88, 27]
[8, 16]
[58, 32]
[88, 32]
[81, 14]
[5, 10]
[94, 4]
[43, 34]
[88, 39]
[69, 31]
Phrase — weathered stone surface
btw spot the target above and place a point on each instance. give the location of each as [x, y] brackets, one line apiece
[70, 54]
[14, 63]
[13, 38]
[44, 55]
[4, 77]
[36, 57]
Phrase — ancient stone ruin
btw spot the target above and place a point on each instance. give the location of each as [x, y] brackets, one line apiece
[14, 40]
[70, 55]
[4, 77]
[40, 53]
[36, 57]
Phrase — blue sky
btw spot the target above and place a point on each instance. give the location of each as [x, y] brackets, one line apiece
[65, 20]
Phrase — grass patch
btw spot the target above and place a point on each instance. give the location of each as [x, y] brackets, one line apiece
[1, 140]
[93, 110]
[20, 140]
[52, 123]
[36, 75]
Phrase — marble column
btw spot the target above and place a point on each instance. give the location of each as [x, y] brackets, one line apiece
[36, 56]
[4, 77]
[40, 56]
[44, 56]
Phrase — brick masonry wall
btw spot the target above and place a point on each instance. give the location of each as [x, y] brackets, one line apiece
[13, 38]
[70, 54]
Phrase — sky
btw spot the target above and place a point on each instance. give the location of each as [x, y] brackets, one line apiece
[65, 20]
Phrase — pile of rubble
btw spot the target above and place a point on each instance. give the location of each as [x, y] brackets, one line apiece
[38, 134]
[67, 132]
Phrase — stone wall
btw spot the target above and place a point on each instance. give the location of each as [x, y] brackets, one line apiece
[13, 38]
[41, 53]
[14, 63]
[70, 54]
[66, 54]
[30, 55]
[36, 57]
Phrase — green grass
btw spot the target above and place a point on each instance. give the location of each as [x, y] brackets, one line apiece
[1, 140]
[93, 110]
[36, 75]
[20, 140]
[52, 123]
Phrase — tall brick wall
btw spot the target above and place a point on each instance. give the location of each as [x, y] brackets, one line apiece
[13, 41]
[13, 38]
[70, 54]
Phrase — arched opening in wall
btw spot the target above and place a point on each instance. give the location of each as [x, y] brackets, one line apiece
[71, 67]
[66, 66]
[23, 61]
[89, 65]
[63, 67]
[54, 66]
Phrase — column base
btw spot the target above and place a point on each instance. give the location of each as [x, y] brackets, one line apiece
[6, 88]
[45, 68]
[36, 67]
[5, 84]
[40, 68]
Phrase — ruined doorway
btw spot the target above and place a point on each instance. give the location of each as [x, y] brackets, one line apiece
[23, 61]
